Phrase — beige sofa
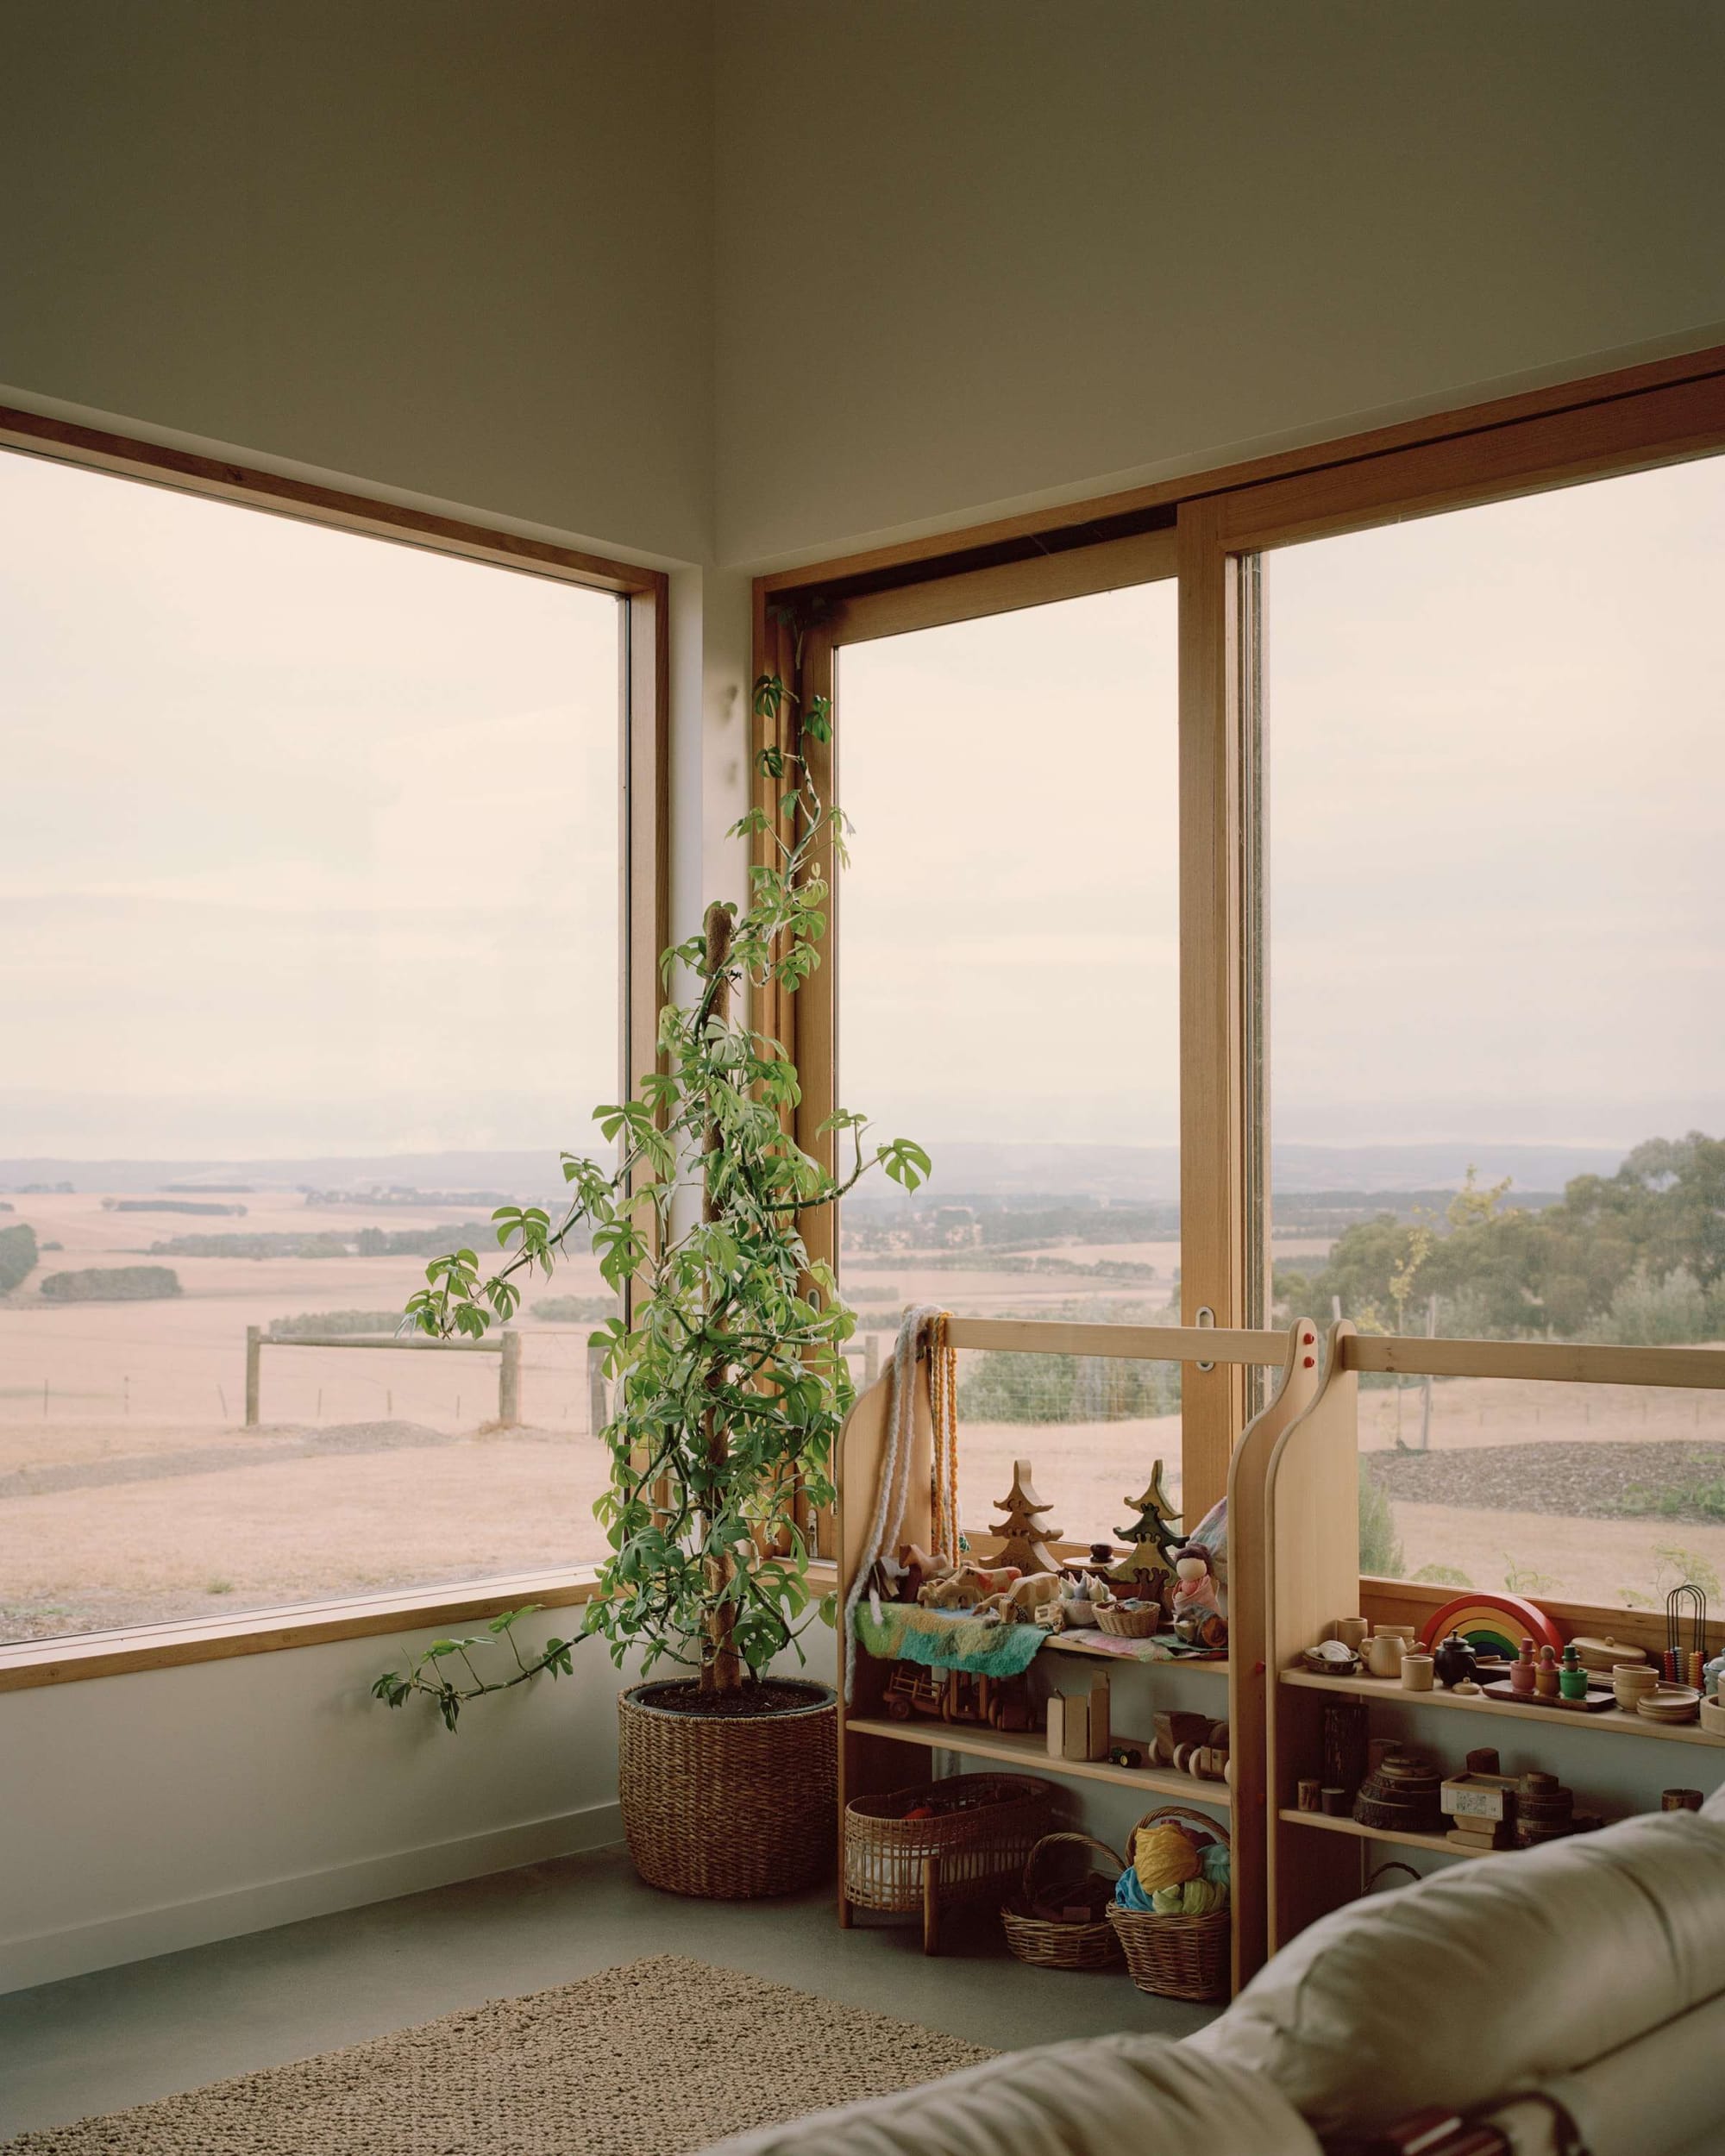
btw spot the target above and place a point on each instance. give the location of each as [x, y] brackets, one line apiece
[1572, 1997]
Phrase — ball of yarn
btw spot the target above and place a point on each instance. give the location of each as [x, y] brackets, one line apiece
[1193, 1897]
[1164, 1856]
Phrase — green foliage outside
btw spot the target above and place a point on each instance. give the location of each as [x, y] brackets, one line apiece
[574, 1309]
[730, 1381]
[17, 1255]
[1635, 1257]
[113, 1283]
[1380, 1549]
[314, 1322]
[1007, 1387]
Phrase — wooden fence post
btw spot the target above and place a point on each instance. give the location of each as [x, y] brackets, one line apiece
[255, 1340]
[598, 1411]
[509, 1381]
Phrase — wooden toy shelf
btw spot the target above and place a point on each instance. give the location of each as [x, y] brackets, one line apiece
[876, 1753]
[1435, 1844]
[1294, 1542]
[1614, 1721]
[1028, 1755]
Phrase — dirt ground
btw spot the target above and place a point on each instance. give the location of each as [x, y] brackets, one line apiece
[131, 1492]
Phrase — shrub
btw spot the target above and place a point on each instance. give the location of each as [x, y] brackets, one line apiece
[1380, 1552]
[575, 1309]
[1008, 1387]
[1662, 1313]
[316, 1321]
[17, 1255]
[113, 1283]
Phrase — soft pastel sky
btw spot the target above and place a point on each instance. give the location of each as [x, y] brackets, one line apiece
[307, 840]
[308, 843]
[1496, 767]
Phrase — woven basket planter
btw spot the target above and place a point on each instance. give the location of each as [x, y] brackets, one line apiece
[728, 1806]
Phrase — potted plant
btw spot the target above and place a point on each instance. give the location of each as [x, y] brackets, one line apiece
[730, 1386]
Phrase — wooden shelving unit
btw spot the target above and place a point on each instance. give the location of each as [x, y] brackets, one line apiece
[1292, 1529]
[878, 1753]
[1028, 1755]
[1614, 1721]
[1434, 1844]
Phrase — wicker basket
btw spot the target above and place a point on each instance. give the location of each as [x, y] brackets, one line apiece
[976, 1851]
[1131, 1624]
[1177, 1957]
[1045, 1941]
[731, 1807]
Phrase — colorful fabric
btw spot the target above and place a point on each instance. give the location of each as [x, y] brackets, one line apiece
[947, 1640]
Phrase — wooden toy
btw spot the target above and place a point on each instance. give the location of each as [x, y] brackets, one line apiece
[1521, 1674]
[1147, 1569]
[1126, 1755]
[1680, 1800]
[1488, 1798]
[1419, 1672]
[1455, 1661]
[1687, 1600]
[1078, 1723]
[1479, 1618]
[1545, 1684]
[968, 1587]
[921, 1567]
[1035, 1598]
[1401, 1794]
[1331, 1657]
[958, 1696]
[1573, 1678]
[1609, 1654]
[1024, 1540]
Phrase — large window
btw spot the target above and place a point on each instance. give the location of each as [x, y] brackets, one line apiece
[309, 854]
[1497, 758]
[1008, 988]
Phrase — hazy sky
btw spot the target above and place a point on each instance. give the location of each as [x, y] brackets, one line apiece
[1496, 772]
[308, 842]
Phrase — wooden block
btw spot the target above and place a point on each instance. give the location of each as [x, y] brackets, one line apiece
[1501, 1836]
[1482, 1796]
[1057, 1725]
[1101, 1734]
[1075, 1728]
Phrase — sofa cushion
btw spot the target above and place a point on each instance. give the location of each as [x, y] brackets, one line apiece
[1487, 1976]
[1100, 2097]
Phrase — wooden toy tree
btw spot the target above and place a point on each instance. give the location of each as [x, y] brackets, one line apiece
[1154, 1538]
[1024, 1541]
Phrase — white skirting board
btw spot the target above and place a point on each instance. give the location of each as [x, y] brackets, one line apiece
[46, 1957]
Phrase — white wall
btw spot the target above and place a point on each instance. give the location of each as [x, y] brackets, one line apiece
[1015, 252]
[460, 250]
[147, 1813]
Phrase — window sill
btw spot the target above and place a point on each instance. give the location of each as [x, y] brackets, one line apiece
[34, 1663]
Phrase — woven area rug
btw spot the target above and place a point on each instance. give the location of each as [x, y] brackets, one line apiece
[653, 2058]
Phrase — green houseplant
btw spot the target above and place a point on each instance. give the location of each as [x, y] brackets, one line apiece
[730, 1383]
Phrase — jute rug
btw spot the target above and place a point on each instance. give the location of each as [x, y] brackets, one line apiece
[653, 2058]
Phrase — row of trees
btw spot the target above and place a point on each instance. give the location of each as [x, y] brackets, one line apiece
[1636, 1257]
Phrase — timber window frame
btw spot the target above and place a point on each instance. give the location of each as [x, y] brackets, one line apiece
[645, 931]
[1666, 411]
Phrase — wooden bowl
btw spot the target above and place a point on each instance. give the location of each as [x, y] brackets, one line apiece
[1713, 1718]
[1670, 1703]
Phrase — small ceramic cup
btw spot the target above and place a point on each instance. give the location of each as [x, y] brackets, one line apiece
[1383, 1653]
[1352, 1632]
[1335, 1803]
[1417, 1672]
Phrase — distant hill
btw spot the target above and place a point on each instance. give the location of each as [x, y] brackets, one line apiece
[1119, 1174]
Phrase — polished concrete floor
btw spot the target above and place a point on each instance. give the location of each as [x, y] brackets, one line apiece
[123, 2036]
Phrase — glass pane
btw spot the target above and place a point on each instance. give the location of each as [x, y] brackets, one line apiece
[309, 863]
[1009, 996]
[1497, 748]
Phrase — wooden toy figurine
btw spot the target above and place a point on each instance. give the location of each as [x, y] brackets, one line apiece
[1521, 1671]
[1573, 1678]
[1023, 1539]
[1547, 1675]
[1146, 1569]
